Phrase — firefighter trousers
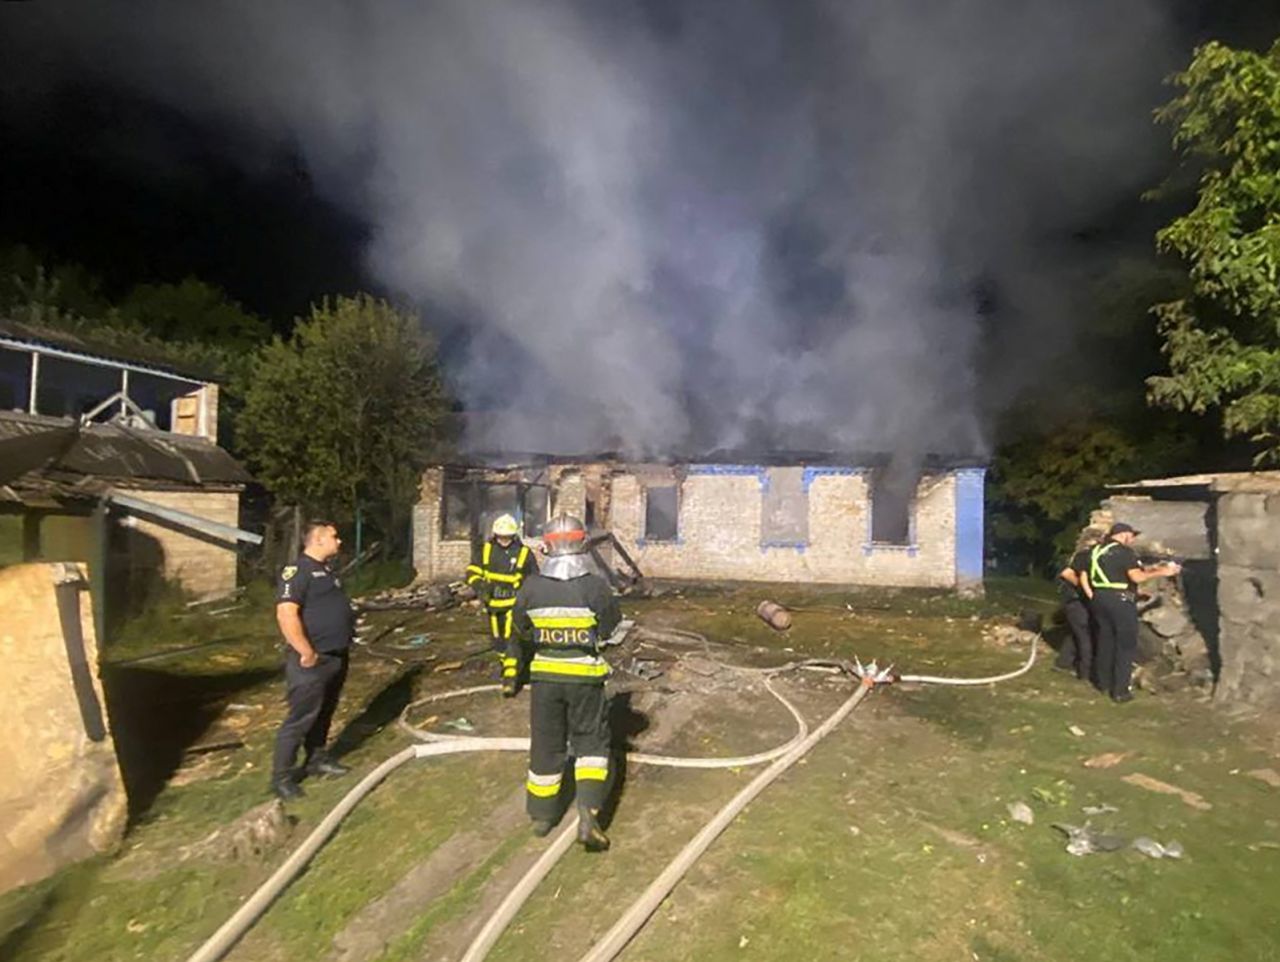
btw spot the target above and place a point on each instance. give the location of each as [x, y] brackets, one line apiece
[566, 718]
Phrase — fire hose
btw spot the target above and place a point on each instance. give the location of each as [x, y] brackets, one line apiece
[782, 756]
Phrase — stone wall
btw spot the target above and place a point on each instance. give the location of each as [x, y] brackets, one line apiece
[1249, 596]
[204, 568]
[61, 798]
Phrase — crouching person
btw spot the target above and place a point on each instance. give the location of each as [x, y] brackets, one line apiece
[567, 612]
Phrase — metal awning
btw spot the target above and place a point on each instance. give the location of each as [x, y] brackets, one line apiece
[182, 519]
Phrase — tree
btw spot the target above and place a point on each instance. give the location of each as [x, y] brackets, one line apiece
[347, 411]
[1223, 340]
[193, 311]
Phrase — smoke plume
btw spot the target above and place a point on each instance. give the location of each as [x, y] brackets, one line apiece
[662, 226]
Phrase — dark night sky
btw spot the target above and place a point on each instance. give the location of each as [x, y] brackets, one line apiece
[137, 190]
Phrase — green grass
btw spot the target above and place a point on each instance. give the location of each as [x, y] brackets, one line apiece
[891, 840]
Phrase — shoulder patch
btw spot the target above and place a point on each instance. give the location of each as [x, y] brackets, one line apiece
[288, 571]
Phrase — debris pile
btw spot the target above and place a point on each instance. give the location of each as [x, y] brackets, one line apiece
[1172, 651]
[251, 836]
[424, 597]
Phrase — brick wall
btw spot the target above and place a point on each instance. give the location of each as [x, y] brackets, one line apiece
[204, 569]
[720, 521]
[435, 559]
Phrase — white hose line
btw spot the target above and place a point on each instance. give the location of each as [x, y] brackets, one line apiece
[990, 680]
[635, 917]
[515, 899]
[640, 758]
[218, 944]
[230, 932]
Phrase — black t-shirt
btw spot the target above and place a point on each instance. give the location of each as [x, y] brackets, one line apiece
[316, 588]
[1079, 563]
[1116, 561]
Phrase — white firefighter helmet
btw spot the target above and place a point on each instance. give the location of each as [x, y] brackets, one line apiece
[565, 535]
[505, 526]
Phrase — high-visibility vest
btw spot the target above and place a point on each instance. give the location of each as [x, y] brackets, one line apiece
[1097, 577]
[482, 572]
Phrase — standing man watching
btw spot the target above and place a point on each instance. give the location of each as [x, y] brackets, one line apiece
[1113, 576]
[497, 570]
[569, 612]
[316, 620]
[1077, 650]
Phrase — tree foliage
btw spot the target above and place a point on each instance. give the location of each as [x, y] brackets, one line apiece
[191, 325]
[347, 411]
[192, 311]
[1223, 340]
[1041, 489]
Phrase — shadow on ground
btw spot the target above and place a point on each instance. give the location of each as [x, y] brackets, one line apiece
[156, 716]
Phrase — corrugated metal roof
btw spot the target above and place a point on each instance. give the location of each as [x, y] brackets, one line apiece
[113, 452]
[38, 336]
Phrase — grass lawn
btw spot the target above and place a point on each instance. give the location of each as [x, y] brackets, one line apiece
[890, 841]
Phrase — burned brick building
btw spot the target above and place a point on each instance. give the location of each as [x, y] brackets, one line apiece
[785, 518]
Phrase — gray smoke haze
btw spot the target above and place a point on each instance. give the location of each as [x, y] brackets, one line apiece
[668, 226]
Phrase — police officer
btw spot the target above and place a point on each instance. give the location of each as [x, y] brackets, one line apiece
[316, 620]
[1077, 650]
[497, 569]
[568, 611]
[1113, 576]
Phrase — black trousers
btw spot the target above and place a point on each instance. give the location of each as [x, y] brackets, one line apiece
[312, 694]
[566, 717]
[1116, 616]
[1077, 650]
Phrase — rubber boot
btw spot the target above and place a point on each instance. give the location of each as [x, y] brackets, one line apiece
[541, 828]
[590, 834]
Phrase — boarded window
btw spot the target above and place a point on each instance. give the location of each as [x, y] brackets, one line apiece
[660, 512]
[892, 499]
[785, 508]
[535, 503]
[457, 514]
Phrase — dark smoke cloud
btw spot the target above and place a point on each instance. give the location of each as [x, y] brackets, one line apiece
[671, 226]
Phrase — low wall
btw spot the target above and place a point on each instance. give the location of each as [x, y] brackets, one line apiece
[62, 798]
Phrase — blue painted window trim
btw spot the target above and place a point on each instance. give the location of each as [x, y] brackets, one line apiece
[970, 507]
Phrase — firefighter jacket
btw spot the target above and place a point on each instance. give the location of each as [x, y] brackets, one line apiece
[567, 621]
[497, 572]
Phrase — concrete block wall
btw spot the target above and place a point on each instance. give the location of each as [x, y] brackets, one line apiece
[204, 569]
[1249, 596]
[62, 798]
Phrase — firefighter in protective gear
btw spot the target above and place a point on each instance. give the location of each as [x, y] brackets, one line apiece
[568, 612]
[497, 570]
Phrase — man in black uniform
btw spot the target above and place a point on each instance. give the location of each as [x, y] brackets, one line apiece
[568, 612]
[1113, 576]
[497, 570]
[315, 618]
[1077, 651]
